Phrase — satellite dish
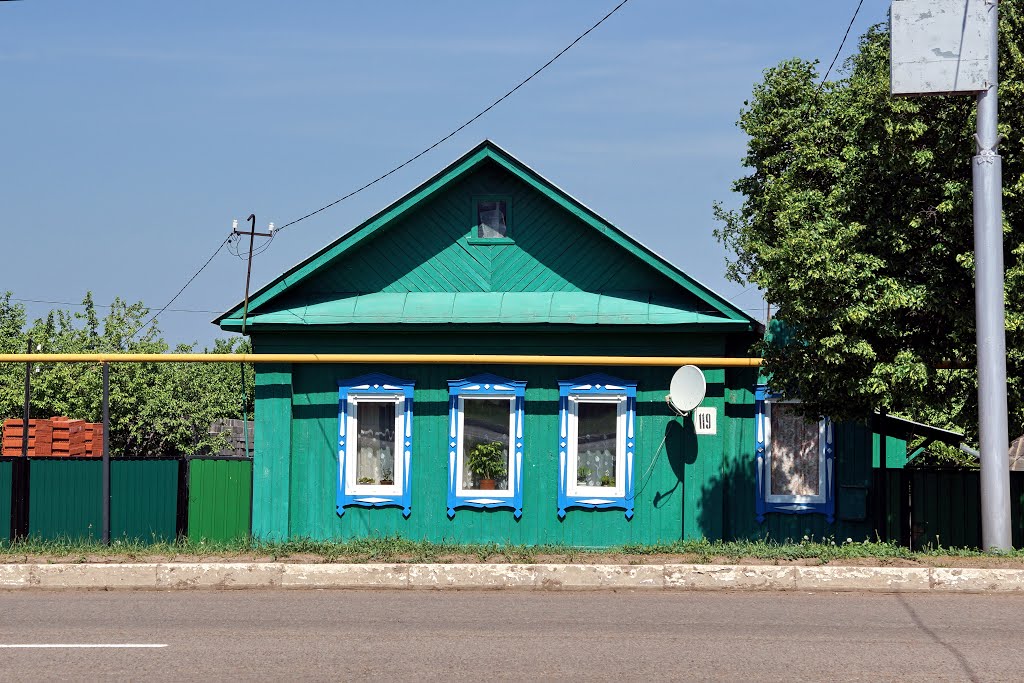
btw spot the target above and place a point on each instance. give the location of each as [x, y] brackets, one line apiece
[687, 388]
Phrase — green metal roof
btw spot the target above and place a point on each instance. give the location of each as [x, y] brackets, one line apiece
[268, 303]
[572, 308]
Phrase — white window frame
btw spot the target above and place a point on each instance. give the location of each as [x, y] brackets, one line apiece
[572, 448]
[822, 474]
[510, 492]
[352, 487]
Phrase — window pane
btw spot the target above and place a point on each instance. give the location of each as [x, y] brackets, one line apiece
[490, 219]
[793, 453]
[375, 443]
[485, 441]
[595, 443]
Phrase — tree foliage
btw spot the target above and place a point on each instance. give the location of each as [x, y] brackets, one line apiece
[155, 408]
[856, 222]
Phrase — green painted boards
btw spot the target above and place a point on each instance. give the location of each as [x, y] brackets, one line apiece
[416, 278]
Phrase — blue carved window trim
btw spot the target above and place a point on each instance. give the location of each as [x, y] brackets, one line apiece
[350, 493]
[596, 387]
[485, 386]
[824, 503]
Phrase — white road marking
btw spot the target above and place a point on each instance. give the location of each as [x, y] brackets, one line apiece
[80, 645]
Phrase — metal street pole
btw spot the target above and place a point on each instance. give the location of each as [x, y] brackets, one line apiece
[991, 329]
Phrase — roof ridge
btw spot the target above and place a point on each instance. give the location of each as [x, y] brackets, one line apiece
[480, 153]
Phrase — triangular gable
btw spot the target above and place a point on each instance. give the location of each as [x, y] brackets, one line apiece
[306, 271]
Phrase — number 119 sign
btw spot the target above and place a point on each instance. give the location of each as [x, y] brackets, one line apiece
[704, 421]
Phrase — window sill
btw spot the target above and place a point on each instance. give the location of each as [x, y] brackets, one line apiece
[490, 241]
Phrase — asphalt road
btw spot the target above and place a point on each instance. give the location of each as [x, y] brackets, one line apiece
[463, 635]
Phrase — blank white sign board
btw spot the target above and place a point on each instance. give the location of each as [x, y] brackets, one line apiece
[939, 46]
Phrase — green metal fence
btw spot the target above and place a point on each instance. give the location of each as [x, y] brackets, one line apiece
[219, 499]
[943, 507]
[6, 467]
[64, 498]
[151, 499]
[144, 499]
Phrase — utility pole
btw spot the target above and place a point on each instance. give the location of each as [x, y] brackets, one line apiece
[245, 308]
[952, 46]
[248, 271]
[993, 429]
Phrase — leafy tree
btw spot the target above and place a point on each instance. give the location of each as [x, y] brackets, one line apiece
[155, 408]
[856, 222]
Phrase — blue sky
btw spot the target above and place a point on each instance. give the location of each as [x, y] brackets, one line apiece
[135, 131]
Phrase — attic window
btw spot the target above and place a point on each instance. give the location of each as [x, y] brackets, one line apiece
[491, 219]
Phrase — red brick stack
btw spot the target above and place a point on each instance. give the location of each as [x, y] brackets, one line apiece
[58, 436]
[13, 431]
[93, 439]
[67, 437]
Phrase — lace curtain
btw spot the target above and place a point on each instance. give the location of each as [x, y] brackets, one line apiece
[376, 442]
[595, 449]
[794, 453]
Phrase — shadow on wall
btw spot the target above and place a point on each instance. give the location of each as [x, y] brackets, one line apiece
[719, 497]
[681, 450]
[737, 486]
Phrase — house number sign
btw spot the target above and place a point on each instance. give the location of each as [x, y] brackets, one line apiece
[704, 420]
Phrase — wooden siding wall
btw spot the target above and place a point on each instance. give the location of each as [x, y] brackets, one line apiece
[699, 486]
[426, 251]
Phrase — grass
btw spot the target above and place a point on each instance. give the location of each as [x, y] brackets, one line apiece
[394, 549]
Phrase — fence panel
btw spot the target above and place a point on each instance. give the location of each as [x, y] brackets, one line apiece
[6, 481]
[945, 508]
[219, 499]
[144, 499]
[64, 498]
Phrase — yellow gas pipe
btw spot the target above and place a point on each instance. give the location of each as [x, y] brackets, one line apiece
[495, 359]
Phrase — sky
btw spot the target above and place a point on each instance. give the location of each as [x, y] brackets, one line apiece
[134, 132]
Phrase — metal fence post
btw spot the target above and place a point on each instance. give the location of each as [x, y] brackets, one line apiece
[106, 453]
[19, 469]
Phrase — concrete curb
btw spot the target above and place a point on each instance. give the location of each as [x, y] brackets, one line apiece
[207, 575]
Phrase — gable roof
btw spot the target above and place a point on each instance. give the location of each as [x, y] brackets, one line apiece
[719, 310]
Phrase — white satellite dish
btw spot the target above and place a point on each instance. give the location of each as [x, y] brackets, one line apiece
[687, 389]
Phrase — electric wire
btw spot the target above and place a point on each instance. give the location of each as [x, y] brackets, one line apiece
[646, 478]
[236, 252]
[74, 303]
[841, 44]
[463, 126]
[183, 288]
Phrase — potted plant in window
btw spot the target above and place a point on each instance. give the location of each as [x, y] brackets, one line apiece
[364, 480]
[487, 461]
[607, 480]
[582, 474]
[387, 478]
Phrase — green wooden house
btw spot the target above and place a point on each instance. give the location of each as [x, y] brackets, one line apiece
[488, 257]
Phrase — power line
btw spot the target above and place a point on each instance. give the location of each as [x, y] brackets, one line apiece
[736, 296]
[845, 36]
[183, 288]
[464, 125]
[262, 248]
[73, 303]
